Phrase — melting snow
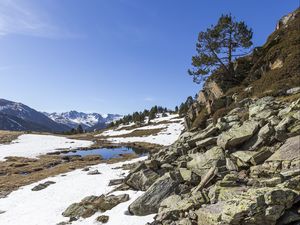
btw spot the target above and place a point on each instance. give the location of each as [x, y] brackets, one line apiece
[45, 207]
[33, 145]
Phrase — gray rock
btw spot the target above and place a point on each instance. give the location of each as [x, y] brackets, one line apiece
[207, 142]
[115, 182]
[260, 156]
[293, 91]
[287, 152]
[93, 172]
[284, 123]
[202, 162]
[149, 202]
[243, 157]
[237, 135]
[209, 131]
[92, 204]
[142, 179]
[42, 186]
[102, 219]
[255, 207]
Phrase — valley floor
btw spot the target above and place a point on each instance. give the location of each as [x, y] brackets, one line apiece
[45, 207]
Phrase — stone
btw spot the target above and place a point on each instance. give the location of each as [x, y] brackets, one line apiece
[256, 206]
[260, 156]
[115, 182]
[209, 131]
[287, 152]
[149, 202]
[42, 185]
[202, 162]
[93, 172]
[288, 218]
[243, 157]
[272, 182]
[210, 214]
[102, 219]
[92, 204]
[293, 91]
[186, 174]
[284, 123]
[262, 137]
[175, 203]
[237, 135]
[207, 142]
[230, 165]
[152, 164]
[142, 179]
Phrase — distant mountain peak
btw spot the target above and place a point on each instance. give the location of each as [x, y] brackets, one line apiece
[89, 121]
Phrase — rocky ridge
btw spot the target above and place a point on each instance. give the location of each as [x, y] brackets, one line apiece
[241, 166]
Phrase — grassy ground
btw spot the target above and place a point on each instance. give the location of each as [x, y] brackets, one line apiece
[16, 172]
[8, 136]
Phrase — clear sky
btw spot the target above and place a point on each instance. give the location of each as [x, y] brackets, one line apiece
[114, 56]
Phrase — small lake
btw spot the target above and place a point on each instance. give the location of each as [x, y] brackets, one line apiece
[108, 153]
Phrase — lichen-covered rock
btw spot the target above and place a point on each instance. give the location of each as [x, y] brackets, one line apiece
[92, 204]
[254, 207]
[287, 152]
[237, 135]
[141, 180]
[202, 162]
[149, 202]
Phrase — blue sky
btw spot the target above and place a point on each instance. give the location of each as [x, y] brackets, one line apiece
[114, 56]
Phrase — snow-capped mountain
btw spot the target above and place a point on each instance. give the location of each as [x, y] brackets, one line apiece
[89, 121]
[17, 116]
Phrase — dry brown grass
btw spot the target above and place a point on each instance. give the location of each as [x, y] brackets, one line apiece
[8, 136]
[16, 172]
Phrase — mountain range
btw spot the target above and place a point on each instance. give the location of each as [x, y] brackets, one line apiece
[89, 121]
[19, 117]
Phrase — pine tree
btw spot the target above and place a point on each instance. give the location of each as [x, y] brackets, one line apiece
[218, 46]
[79, 129]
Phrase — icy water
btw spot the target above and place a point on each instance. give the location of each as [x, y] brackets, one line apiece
[108, 153]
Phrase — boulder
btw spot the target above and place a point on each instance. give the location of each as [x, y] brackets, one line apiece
[287, 152]
[115, 182]
[207, 142]
[42, 185]
[202, 162]
[260, 156]
[237, 135]
[93, 172]
[92, 204]
[243, 158]
[102, 219]
[207, 132]
[293, 91]
[142, 179]
[149, 202]
[255, 207]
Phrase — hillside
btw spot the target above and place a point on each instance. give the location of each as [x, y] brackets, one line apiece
[19, 117]
[238, 160]
[163, 130]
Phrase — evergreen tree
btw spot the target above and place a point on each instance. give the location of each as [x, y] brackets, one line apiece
[79, 129]
[218, 46]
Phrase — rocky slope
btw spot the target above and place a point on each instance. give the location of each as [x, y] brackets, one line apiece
[238, 162]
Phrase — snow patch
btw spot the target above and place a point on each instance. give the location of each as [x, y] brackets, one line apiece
[33, 145]
[46, 206]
